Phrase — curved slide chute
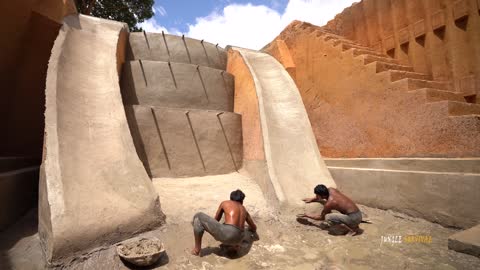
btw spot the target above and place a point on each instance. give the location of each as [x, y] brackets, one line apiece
[293, 161]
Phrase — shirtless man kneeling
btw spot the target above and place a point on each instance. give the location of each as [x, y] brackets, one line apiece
[332, 199]
[231, 232]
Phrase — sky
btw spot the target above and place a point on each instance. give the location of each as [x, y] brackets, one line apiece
[249, 24]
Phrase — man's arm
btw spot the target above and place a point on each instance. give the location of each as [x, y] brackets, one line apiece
[326, 210]
[218, 215]
[251, 225]
[314, 199]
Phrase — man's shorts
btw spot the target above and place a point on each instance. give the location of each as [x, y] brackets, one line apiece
[351, 220]
[225, 233]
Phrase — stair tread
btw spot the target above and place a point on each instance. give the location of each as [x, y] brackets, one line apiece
[396, 75]
[369, 58]
[357, 52]
[433, 95]
[456, 108]
[385, 66]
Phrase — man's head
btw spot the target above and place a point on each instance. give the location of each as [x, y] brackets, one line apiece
[237, 196]
[321, 191]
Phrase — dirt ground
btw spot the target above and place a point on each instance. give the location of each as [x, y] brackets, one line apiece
[284, 242]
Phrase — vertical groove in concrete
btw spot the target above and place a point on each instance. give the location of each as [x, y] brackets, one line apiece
[173, 76]
[195, 140]
[166, 46]
[218, 54]
[225, 87]
[146, 39]
[186, 48]
[203, 83]
[161, 138]
[205, 50]
[143, 73]
[226, 140]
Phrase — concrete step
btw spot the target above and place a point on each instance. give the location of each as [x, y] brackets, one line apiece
[433, 95]
[467, 241]
[348, 46]
[396, 75]
[462, 108]
[357, 52]
[414, 84]
[368, 58]
[382, 66]
[176, 142]
[178, 49]
[178, 85]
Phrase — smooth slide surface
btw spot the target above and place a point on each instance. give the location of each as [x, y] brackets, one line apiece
[295, 165]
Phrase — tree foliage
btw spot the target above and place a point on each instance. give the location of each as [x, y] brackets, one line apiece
[128, 11]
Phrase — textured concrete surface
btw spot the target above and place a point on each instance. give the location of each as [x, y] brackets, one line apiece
[459, 165]
[170, 48]
[186, 142]
[348, 96]
[436, 37]
[291, 152]
[18, 193]
[467, 241]
[177, 85]
[447, 198]
[93, 188]
[284, 243]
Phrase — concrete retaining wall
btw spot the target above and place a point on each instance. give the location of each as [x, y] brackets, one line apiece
[18, 193]
[185, 142]
[94, 190]
[447, 198]
[177, 85]
[170, 48]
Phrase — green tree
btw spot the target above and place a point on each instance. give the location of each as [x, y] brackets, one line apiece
[128, 11]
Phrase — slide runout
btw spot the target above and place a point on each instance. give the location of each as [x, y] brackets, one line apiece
[171, 48]
[291, 152]
[178, 85]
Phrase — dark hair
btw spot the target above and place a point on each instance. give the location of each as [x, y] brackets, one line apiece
[237, 196]
[321, 190]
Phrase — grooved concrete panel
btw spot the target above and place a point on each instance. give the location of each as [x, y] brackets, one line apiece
[164, 47]
[176, 85]
[94, 190]
[195, 141]
[212, 143]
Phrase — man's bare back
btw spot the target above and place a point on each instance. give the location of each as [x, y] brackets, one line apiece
[235, 214]
[341, 203]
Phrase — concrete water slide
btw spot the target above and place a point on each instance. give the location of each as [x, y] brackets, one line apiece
[94, 189]
[293, 161]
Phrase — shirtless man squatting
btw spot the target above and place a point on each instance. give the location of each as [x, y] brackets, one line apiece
[231, 232]
[349, 217]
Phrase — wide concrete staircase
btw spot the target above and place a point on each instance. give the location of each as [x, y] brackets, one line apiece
[439, 92]
[18, 188]
[179, 102]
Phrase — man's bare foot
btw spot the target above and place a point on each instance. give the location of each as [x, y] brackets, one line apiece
[195, 252]
[354, 231]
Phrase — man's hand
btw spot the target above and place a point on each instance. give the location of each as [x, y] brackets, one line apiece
[308, 200]
[303, 216]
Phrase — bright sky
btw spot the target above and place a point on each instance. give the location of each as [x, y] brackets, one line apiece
[250, 24]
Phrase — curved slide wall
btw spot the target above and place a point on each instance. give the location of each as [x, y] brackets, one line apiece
[293, 163]
[94, 189]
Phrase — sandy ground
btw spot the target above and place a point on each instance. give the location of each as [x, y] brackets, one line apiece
[284, 242]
